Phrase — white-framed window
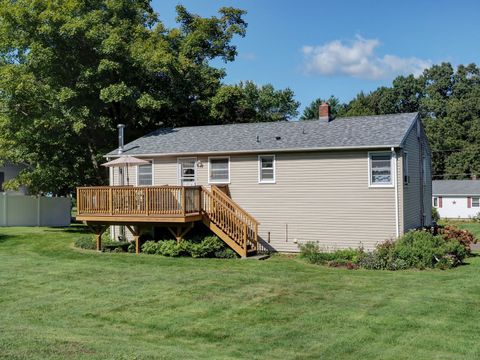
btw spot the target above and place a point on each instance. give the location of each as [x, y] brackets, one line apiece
[219, 170]
[380, 169]
[266, 169]
[475, 201]
[406, 176]
[145, 174]
[435, 201]
[187, 171]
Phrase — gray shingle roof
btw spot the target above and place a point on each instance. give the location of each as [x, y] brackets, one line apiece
[353, 132]
[456, 187]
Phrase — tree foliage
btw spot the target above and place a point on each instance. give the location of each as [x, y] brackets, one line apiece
[71, 70]
[248, 102]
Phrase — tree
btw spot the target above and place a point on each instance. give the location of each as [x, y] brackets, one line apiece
[311, 111]
[247, 102]
[71, 70]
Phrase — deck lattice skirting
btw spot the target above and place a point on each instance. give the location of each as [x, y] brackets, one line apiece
[138, 207]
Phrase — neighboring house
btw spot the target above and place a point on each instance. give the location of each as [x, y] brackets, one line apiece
[456, 199]
[343, 183]
[8, 172]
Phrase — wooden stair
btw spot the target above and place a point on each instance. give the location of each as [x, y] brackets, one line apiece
[235, 226]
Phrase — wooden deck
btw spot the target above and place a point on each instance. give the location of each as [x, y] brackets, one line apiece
[140, 207]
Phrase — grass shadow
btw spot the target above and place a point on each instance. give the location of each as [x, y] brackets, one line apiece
[5, 238]
[72, 229]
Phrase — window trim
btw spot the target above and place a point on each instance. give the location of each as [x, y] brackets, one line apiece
[179, 175]
[406, 173]
[392, 170]
[475, 197]
[274, 180]
[138, 173]
[210, 181]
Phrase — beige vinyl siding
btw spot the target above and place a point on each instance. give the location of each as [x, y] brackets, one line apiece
[318, 196]
[412, 211]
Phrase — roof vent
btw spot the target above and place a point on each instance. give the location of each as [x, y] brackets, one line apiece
[258, 138]
[278, 138]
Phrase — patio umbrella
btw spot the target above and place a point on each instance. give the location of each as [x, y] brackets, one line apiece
[125, 161]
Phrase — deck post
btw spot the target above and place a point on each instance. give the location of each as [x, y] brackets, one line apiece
[98, 230]
[136, 231]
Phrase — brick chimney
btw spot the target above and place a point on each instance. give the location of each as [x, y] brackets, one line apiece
[324, 112]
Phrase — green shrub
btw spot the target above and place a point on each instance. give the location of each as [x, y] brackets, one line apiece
[418, 249]
[85, 242]
[226, 253]
[435, 214]
[209, 246]
[170, 248]
[150, 247]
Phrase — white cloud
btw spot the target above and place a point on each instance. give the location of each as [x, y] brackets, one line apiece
[358, 59]
[248, 56]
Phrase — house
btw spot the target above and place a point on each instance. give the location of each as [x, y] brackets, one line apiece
[343, 183]
[456, 199]
[7, 172]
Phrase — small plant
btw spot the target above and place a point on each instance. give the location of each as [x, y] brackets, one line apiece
[311, 252]
[435, 214]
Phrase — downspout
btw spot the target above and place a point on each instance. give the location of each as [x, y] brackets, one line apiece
[395, 171]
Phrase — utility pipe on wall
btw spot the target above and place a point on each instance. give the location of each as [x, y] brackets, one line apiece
[395, 183]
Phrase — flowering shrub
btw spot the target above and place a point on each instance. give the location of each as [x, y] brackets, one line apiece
[464, 237]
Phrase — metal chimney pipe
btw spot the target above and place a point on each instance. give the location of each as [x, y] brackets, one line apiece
[121, 143]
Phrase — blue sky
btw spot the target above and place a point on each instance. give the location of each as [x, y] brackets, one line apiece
[323, 48]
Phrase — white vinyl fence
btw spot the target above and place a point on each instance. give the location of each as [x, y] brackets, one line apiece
[19, 210]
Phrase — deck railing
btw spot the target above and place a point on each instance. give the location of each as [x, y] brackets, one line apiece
[148, 200]
[108, 202]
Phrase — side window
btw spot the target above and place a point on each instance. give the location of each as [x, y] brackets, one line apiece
[145, 175]
[435, 202]
[380, 169]
[2, 180]
[266, 168]
[219, 170]
[475, 202]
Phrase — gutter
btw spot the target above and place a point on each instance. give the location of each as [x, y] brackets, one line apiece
[257, 151]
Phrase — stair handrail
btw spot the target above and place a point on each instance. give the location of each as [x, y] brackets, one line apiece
[217, 191]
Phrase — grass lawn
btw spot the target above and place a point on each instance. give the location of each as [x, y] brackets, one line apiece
[57, 302]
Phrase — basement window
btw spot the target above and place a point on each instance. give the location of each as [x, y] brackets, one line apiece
[219, 170]
[380, 169]
[266, 169]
